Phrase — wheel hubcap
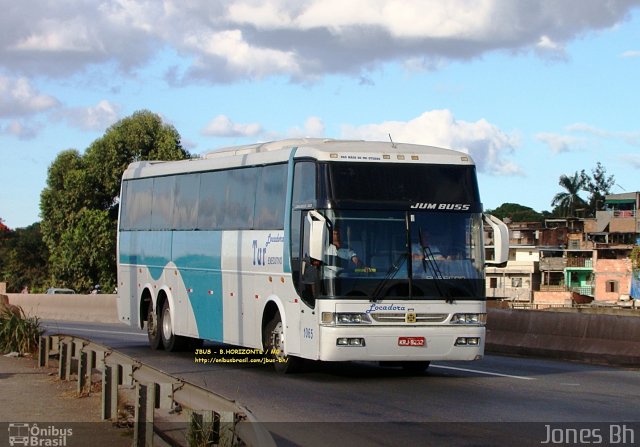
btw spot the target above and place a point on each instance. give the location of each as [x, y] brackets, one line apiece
[166, 324]
[277, 339]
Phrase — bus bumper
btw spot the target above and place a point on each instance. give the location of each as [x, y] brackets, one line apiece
[401, 343]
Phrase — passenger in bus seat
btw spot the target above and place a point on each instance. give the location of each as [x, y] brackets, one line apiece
[426, 247]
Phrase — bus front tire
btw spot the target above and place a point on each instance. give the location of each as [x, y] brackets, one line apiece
[273, 342]
[153, 329]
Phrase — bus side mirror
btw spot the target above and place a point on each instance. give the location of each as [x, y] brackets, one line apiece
[500, 239]
[318, 234]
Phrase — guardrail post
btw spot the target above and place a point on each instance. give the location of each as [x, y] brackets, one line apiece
[77, 351]
[126, 376]
[110, 392]
[83, 377]
[143, 425]
[52, 342]
[43, 351]
[70, 354]
[62, 364]
[165, 396]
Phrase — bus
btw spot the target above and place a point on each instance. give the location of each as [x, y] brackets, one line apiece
[313, 249]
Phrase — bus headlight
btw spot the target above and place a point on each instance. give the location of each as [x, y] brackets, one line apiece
[343, 318]
[350, 341]
[468, 341]
[475, 319]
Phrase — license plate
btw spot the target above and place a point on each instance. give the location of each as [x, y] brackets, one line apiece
[411, 341]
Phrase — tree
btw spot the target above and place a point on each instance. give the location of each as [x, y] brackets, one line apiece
[23, 258]
[567, 201]
[517, 213]
[597, 185]
[79, 205]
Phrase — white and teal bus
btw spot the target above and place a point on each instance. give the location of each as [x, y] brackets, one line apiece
[316, 249]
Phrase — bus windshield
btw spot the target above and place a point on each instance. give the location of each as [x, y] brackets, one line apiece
[403, 254]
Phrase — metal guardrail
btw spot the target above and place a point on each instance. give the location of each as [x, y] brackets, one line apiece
[210, 418]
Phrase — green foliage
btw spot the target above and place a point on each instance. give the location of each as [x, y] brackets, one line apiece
[23, 259]
[17, 332]
[567, 201]
[86, 252]
[597, 185]
[517, 213]
[79, 205]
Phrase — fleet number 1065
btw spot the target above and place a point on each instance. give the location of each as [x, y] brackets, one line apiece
[307, 332]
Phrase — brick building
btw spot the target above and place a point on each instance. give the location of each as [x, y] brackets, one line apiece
[576, 260]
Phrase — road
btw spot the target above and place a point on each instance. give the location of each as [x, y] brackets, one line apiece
[495, 401]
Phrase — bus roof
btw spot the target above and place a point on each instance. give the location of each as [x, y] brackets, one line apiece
[315, 148]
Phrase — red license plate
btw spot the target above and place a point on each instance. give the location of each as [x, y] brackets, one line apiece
[411, 341]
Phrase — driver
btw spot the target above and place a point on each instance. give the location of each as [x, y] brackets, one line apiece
[338, 256]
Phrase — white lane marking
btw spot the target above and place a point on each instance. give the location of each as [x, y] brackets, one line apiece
[63, 328]
[483, 372]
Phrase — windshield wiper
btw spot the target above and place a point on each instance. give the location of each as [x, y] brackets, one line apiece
[429, 259]
[388, 276]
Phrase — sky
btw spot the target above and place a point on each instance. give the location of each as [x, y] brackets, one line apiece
[531, 89]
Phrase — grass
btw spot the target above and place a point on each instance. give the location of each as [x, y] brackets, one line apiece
[18, 333]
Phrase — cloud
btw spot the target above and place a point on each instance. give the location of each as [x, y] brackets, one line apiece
[21, 130]
[583, 135]
[301, 40]
[547, 47]
[489, 146]
[19, 98]
[222, 126]
[630, 54]
[630, 138]
[560, 143]
[58, 39]
[95, 118]
[313, 127]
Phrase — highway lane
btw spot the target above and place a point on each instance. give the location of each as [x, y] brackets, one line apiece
[498, 399]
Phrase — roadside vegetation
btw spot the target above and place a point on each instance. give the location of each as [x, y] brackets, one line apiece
[18, 333]
[74, 245]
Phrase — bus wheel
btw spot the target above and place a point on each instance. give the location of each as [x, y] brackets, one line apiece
[171, 341]
[153, 332]
[273, 342]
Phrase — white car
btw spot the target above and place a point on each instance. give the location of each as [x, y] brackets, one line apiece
[57, 291]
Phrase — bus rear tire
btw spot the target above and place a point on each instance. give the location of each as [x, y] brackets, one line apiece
[171, 341]
[273, 343]
[153, 328]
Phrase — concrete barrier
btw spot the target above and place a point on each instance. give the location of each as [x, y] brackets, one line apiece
[100, 308]
[593, 338]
